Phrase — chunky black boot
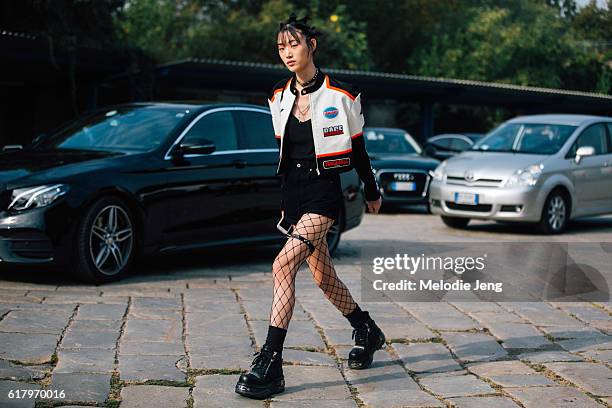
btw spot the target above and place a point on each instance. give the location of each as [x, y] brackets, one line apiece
[368, 338]
[266, 375]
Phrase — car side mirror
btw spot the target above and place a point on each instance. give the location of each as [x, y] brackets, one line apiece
[200, 146]
[12, 147]
[582, 152]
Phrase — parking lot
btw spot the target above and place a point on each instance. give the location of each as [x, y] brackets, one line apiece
[179, 330]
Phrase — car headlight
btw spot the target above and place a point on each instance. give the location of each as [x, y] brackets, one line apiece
[527, 176]
[35, 197]
[440, 172]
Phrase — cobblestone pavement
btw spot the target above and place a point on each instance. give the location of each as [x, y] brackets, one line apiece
[179, 331]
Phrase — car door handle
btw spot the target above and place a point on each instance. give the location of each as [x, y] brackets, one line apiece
[239, 163]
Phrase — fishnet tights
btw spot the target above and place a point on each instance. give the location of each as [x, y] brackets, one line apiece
[313, 227]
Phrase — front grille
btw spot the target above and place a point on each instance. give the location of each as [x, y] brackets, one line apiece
[420, 178]
[468, 207]
[483, 182]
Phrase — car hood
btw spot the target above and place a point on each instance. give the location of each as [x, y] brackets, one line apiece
[490, 165]
[30, 165]
[402, 161]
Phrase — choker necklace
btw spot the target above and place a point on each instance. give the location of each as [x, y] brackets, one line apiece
[310, 81]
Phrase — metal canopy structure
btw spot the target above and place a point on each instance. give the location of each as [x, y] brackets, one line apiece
[426, 91]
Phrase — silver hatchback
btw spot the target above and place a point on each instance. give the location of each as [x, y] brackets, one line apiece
[545, 169]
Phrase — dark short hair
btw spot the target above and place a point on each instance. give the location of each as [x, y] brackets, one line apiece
[293, 25]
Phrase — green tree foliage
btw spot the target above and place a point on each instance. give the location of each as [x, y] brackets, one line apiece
[520, 42]
[595, 24]
[548, 43]
[237, 30]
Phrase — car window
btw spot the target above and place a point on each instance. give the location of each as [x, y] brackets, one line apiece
[217, 127]
[460, 144]
[594, 136]
[256, 129]
[389, 141]
[609, 137]
[500, 139]
[530, 138]
[124, 128]
[444, 142]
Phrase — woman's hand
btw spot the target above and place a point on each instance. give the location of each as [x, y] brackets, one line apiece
[374, 206]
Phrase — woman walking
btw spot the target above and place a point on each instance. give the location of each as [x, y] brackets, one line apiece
[318, 125]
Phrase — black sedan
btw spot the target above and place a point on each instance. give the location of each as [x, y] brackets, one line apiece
[402, 170]
[135, 179]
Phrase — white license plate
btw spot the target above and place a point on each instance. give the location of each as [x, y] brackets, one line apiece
[466, 198]
[403, 186]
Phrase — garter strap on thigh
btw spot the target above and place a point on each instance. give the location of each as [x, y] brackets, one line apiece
[311, 246]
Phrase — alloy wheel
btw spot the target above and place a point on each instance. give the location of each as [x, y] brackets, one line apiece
[556, 212]
[111, 240]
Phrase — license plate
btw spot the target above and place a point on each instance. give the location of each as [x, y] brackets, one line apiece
[403, 186]
[466, 198]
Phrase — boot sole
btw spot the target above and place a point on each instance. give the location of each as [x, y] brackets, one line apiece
[261, 392]
[360, 365]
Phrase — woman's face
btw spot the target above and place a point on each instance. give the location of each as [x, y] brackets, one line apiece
[294, 52]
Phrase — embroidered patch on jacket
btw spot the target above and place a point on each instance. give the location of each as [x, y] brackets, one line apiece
[330, 112]
[328, 164]
[333, 130]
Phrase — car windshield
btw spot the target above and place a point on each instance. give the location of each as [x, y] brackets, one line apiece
[528, 138]
[132, 128]
[390, 142]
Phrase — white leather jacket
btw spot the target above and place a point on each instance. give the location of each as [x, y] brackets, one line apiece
[337, 127]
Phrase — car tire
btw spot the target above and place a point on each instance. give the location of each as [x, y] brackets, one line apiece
[105, 242]
[555, 213]
[455, 222]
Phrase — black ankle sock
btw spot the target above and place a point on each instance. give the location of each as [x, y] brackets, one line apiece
[357, 317]
[276, 338]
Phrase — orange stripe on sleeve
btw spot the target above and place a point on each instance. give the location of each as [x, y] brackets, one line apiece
[337, 89]
[357, 135]
[279, 90]
[275, 92]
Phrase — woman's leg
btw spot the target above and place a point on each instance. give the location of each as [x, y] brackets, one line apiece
[313, 228]
[368, 336]
[324, 274]
[266, 376]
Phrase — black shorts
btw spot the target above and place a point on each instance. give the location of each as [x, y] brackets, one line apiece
[303, 191]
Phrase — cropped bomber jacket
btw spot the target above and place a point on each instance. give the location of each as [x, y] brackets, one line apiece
[337, 127]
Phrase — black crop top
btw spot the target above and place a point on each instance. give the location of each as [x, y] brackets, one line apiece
[300, 144]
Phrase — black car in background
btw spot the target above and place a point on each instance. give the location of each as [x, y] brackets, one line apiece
[402, 171]
[447, 145]
[135, 179]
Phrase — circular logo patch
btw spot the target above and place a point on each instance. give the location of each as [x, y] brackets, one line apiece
[330, 112]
